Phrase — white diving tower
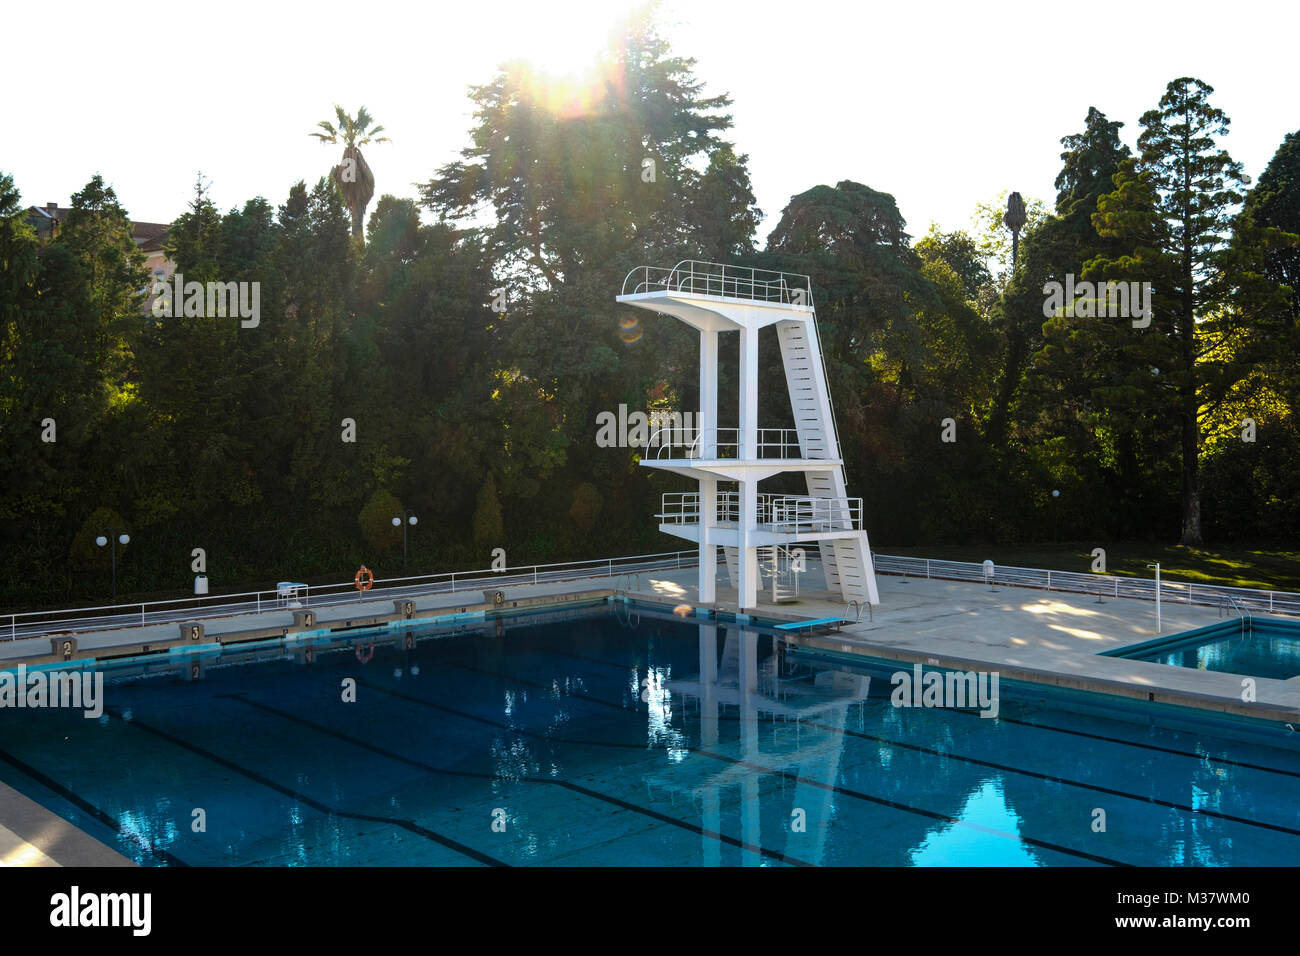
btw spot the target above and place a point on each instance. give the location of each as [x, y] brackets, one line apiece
[716, 298]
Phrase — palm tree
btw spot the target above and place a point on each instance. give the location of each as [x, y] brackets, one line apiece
[1014, 220]
[355, 180]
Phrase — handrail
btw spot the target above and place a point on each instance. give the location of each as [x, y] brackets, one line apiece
[1241, 612]
[1257, 600]
[698, 277]
[859, 605]
[788, 514]
[102, 617]
[778, 443]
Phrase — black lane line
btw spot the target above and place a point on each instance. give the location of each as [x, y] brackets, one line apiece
[1200, 758]
[90, 809]
[408, 825]
[835, 788]
[550, 688]
[1145, 746]
[1128, 743]
[1043, 844]
[564, 784]
[1186, 808]
[487, 720]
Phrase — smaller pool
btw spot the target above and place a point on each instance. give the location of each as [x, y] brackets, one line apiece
[1267, 648]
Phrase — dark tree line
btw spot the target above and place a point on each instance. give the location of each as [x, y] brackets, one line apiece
[198, 432]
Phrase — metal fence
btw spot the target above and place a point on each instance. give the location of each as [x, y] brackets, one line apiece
[1255, 600]
[74, 620]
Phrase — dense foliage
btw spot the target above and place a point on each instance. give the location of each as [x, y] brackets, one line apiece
[470, 353]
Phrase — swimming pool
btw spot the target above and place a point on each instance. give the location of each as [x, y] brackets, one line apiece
[1258, 648]
[609, 738]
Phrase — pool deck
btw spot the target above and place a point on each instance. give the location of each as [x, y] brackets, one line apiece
[30, 835]
[1045, 637]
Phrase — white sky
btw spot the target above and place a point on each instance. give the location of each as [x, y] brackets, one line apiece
[943, 105]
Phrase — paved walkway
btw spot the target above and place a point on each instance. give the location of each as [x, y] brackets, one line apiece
[1041, 636]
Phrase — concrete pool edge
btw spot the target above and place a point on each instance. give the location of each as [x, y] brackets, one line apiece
[847, 643]
[1269, 711]
[31, 835]
[254, 629]
[1277, 702]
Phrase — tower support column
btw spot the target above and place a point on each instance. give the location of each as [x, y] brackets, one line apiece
[708, 550]
[747, 586]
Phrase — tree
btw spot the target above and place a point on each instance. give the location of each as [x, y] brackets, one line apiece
[1088, 386]
[578, 182]
[1195, 185]
[489, 530]
[1267, 240]
[352, 175]
[903, 346]
[376, 520]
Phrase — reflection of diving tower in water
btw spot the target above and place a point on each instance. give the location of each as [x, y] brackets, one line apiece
[736, 688]
[714, 299]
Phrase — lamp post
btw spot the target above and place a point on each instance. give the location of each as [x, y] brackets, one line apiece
[115, 537]
[405, 521]
[1056, 493]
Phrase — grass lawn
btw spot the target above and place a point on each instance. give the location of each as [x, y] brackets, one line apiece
[1242, 567]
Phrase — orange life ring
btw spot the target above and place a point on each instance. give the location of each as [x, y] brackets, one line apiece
[365, 579]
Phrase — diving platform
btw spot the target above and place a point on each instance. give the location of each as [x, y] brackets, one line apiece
[715, 298]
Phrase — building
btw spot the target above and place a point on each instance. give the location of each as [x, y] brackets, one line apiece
[149, 238]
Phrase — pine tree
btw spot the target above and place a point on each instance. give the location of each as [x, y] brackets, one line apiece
[1196, 186]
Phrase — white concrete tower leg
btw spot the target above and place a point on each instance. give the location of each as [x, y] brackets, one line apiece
[748, 584]
[708, 419]
[708, 550]
[748, 393]
[707, 422]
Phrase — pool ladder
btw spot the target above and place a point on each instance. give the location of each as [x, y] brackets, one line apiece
[859, 605]
[1247, 622]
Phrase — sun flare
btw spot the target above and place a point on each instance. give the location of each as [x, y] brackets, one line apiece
[566, 40]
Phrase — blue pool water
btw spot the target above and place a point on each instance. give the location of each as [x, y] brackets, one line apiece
[604, 739]
[1260, 648]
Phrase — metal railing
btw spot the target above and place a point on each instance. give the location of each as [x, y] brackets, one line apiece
[1246, 620]
[794, 514]
[1256, 600]
[696, 277]
[105, 617]
[712, 444]
[781, 514]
